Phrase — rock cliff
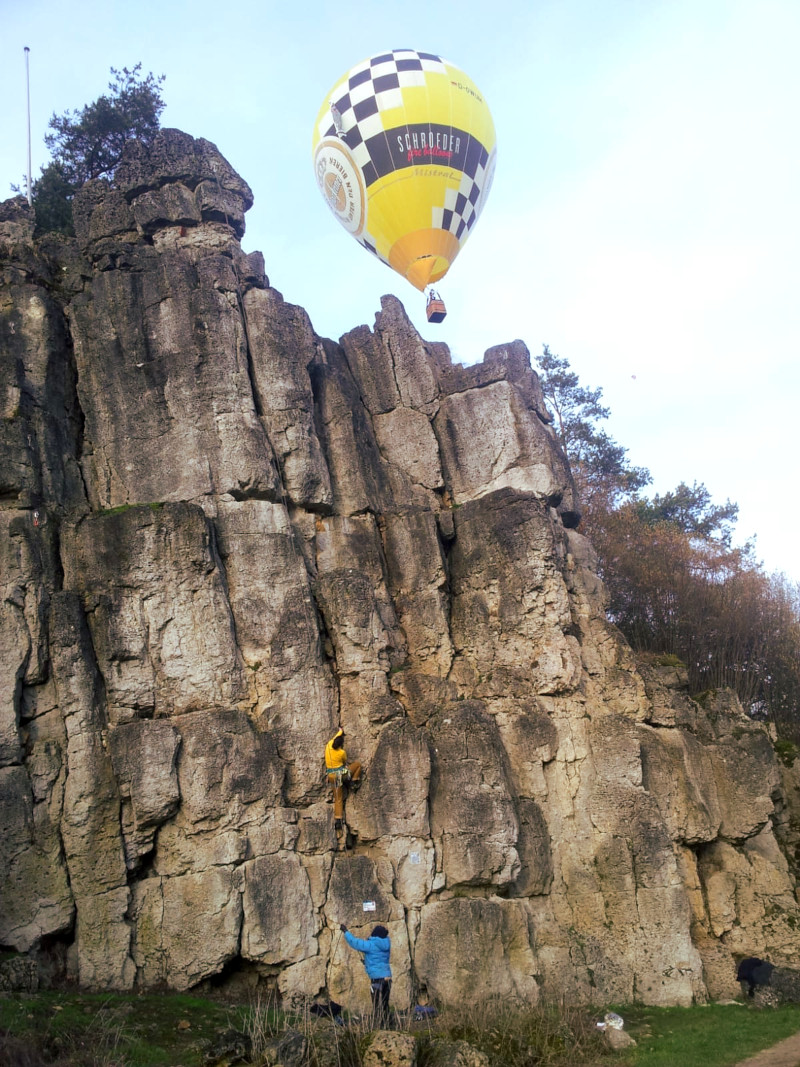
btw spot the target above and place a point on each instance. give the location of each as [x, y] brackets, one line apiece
[224, 536]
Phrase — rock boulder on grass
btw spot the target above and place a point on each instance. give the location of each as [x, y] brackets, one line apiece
[388, 1048]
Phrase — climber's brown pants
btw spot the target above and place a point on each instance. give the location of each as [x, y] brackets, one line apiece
[338, 786]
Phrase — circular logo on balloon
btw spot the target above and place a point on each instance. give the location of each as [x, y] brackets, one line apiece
[341, 184]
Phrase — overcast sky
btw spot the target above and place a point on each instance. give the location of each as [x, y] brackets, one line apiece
[644, 220]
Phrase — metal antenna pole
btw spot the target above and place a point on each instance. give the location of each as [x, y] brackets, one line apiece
[28, 85]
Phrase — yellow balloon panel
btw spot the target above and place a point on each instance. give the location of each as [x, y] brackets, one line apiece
[404, 151]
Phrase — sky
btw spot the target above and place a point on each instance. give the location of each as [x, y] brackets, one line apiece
[644, 220]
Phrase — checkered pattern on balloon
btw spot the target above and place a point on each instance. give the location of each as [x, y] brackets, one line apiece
[412, 118]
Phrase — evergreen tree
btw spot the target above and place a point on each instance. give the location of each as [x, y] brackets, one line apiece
[52, 197]
[89, 143]
[600, 467]
[691, 510]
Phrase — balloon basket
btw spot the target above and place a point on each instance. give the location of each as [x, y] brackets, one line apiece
[436, 310]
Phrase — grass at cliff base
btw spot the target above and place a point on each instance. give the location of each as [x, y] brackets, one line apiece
[173, 1030]
[110, 1030]
[711, 1035]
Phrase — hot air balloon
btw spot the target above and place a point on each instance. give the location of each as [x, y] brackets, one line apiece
[404, 154]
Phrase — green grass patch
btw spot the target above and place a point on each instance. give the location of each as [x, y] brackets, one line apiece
[704, 697]
[713, 1035]
[166, 1030]
[786, 751]
[668, 660]
[94, 1030]
[156, 505]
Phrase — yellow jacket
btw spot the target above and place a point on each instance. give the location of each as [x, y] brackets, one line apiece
[335, 758]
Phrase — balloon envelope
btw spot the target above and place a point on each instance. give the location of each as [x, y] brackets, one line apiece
[404, 154]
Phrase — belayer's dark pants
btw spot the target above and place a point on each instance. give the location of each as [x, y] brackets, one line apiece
[380, 989]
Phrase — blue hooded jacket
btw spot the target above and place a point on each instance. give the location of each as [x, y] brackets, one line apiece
[376, 954]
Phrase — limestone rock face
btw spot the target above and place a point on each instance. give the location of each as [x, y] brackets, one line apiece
[223, 537]
[473, 817]
[387, 1048]
[499, 931]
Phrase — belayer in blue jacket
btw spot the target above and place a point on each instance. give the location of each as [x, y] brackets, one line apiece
[376, 948]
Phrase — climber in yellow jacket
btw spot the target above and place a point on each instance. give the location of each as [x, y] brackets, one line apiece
[340, 774]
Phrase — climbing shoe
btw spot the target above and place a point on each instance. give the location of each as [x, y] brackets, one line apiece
[338, 824]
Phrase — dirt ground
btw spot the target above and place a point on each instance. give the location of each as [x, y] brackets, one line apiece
[785, 1054]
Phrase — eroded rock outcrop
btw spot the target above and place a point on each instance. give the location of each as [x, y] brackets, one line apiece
[222, 537]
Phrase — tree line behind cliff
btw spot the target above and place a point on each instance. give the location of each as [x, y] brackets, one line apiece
[676, 584]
